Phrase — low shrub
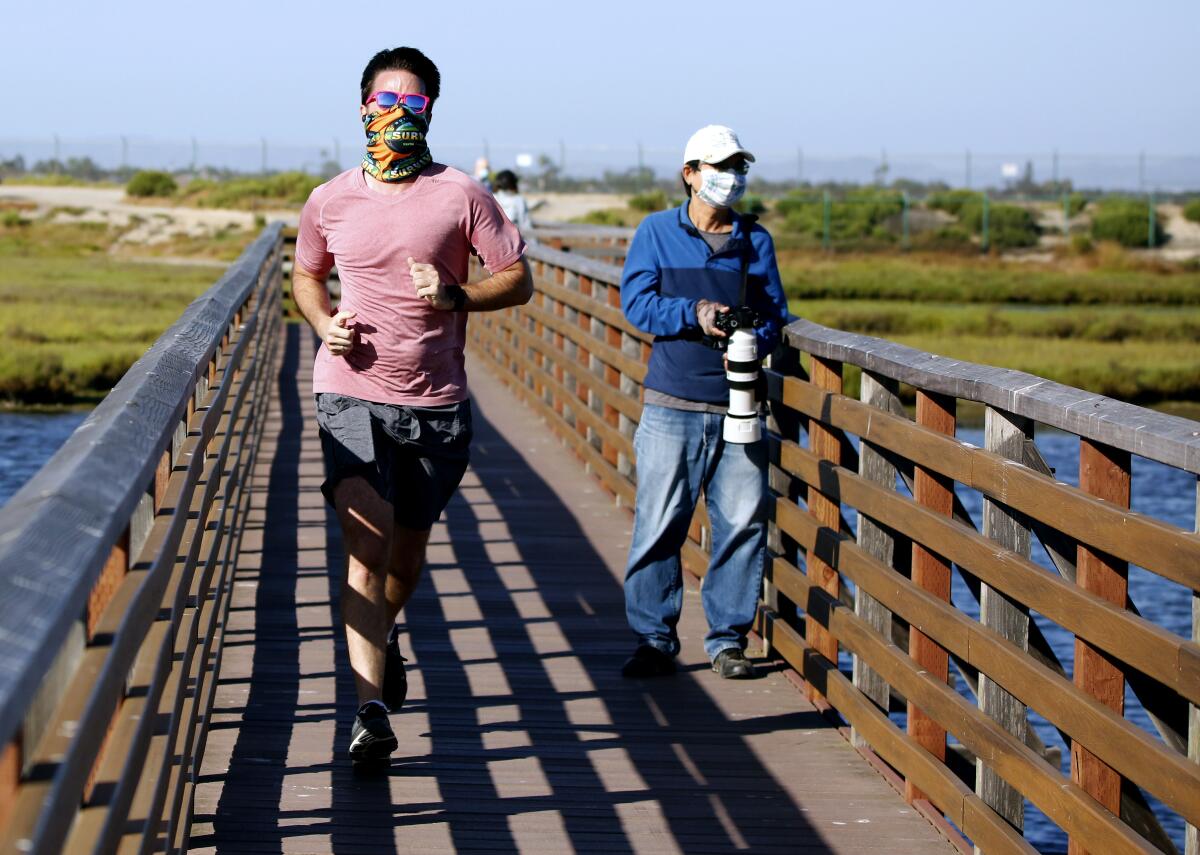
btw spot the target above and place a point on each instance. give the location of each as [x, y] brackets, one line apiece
[602, 217]
[35, 377]
[953, 201]
[751, 204]
[1191, 211]
[1081, 245]
[284, 188]
[949, 239]
[860, 214]
[1126, 221]
[649, 202]
[1009, 226]
[151, 183]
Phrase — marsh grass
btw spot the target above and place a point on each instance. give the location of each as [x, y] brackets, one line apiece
[75, 319]
[1103, 323]
[1107, 277]
[1111, 324]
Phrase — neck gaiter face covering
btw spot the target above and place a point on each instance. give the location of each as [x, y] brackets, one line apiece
[396, 146]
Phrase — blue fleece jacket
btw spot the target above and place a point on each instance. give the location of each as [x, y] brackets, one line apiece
[669, 268]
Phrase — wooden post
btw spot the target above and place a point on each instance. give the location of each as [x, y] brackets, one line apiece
[879, 392]
[10, 778]
[931, 572]
[1004, 434]
[825, 443]
[1103, 472]
[1193, 833]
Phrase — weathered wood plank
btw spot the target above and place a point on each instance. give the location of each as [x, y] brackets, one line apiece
[1004, 434]
[1192, 842]
[874, 539]
[1104, 472]
[930, 572]
[607, 273]
[827, 446]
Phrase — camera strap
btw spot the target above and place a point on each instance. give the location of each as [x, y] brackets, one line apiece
[748, 221]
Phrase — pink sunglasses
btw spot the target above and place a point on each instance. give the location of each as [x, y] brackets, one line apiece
[413, 101]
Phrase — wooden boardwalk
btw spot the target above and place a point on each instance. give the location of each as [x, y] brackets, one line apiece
[519, 734]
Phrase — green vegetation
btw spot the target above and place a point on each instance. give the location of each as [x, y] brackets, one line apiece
[953, 201]
[75, 319]
[1009, 226]
[751, 204]
[151, 182]
[1126, 221]
[921, 278]
[889, 319]
[279, 190]
[655, 200]
[860, 214]
[608, 217]
[1191, 211]
[1110, 323]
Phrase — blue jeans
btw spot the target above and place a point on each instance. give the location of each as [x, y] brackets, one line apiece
[678, 454]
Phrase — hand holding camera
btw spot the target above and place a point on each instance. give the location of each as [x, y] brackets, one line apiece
[707, 313]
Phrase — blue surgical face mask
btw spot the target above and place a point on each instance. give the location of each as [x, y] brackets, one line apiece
[721, 189]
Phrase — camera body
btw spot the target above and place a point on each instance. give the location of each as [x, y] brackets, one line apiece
[739, 316]
[741, 370]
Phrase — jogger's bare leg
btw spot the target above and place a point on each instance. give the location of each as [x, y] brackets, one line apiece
[367, 535]
[404, 568]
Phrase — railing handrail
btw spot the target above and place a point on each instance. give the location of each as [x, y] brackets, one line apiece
[544, 229]
[57, 532]
[1156, 436]
[600, 271]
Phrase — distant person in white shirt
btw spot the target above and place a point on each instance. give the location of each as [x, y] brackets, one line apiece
[510, 199]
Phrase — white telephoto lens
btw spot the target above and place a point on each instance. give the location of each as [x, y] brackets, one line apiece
[741, 422]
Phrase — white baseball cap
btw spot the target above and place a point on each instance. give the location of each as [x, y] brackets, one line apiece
[712, 144]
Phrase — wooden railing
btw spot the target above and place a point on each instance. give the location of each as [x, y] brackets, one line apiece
[879, 590]
[602, 243]
[116, 565]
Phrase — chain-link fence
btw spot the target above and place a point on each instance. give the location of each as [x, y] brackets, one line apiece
[548, 162]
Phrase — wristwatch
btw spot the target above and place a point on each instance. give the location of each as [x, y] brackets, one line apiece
[458, 296]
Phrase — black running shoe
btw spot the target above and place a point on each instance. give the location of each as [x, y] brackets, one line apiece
[395, 683]
[648, 661]
[371, 737]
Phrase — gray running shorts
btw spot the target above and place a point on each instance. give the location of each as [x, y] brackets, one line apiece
[414, 457]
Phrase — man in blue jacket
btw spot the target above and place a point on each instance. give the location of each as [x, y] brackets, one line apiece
[684, 267]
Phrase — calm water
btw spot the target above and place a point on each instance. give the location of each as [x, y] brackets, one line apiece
[1159, 491]
[27, 441]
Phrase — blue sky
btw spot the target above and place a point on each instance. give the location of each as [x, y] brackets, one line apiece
[835, 78]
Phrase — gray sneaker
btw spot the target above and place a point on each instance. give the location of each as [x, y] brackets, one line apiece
[732, 664]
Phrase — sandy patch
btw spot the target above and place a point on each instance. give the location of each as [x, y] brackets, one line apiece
[146, 223]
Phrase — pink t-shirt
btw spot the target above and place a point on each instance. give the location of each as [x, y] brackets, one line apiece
[407, 352]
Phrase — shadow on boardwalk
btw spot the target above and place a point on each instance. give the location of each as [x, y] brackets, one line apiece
[519, 734]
